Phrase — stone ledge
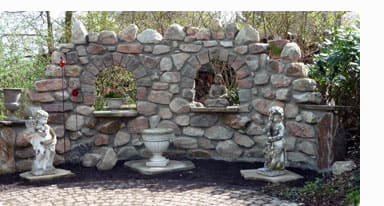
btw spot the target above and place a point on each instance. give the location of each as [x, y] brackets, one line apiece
[227, 109]
[116, 113]
[12, 122]
[324, 107]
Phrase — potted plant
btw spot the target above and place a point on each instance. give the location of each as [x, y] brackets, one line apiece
[114, 97]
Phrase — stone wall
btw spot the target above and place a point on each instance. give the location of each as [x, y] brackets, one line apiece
[165, 68]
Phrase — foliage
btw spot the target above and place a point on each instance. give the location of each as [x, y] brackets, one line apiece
[96, 21]
[353, 197]
[306, 27]
[337, 69]
[115, 82]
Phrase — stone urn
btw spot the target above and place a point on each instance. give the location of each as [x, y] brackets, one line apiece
[12, 101]
[157, 141]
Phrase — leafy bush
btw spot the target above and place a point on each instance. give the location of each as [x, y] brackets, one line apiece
[115, 82]
[353, 197]
[16, 72]
[337, 70]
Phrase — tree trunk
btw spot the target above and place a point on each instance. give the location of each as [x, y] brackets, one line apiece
[68, 26]
[50, 34]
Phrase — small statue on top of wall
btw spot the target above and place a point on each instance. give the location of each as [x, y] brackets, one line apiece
[274, 151]
[43, 140]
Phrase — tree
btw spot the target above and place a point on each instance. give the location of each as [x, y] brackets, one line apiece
[68, 26]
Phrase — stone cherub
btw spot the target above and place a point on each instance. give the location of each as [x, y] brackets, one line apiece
[43, 140]
[217, 96]
[274, 151]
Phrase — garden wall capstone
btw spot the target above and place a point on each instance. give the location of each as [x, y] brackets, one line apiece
[165, 68]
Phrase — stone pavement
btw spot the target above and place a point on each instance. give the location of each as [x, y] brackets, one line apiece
[140, 192]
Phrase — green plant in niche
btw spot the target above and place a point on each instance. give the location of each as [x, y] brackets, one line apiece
[115, 82]
[274, 49]
[115, 93]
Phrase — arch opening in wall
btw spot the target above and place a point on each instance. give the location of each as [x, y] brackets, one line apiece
[115, 82]
[205, 82]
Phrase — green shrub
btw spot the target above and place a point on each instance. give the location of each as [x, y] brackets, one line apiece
[337, 70]
[353, 197]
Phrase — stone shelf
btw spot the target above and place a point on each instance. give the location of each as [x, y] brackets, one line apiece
[324, 107]
[12, 122]
[116, 113]
[227, 109]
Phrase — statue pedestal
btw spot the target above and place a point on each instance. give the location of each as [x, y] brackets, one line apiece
[254, 174]
[59, 173]
[172, 166]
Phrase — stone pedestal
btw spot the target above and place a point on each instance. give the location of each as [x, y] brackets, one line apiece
[254, 174]
[59, 173]
[172, 166]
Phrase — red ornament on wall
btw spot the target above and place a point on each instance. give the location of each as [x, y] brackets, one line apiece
[75, 92]
[61, 63]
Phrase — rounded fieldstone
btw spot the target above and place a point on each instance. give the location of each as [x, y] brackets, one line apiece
[243, 140]
[75, 122]
[122, 137]
[166, 64]
[84, 110]
[127, 153]
[79, 32]
[229, 149]
[90, 160]
[179, 59]
[308, 97]
[193, 131]
[247, 35]
[219, 133]
[108, 161]
[175, 32]
[110, 127]
[304, 85]
[308, 147]
[129, 33]
[185, 143]
[179, 105]
[149, 36]
[146, 108]
[182, 120]
[170, 77]
[204, 120]
[291, 52]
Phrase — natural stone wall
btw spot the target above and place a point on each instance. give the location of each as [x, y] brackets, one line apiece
[16, 153]
[165, 68]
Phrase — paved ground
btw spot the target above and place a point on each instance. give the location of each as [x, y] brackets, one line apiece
[210, 183]
[135, 192]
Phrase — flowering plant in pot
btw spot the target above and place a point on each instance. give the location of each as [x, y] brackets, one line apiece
[114, 97]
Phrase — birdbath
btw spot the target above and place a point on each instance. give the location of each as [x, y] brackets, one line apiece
[157, 141]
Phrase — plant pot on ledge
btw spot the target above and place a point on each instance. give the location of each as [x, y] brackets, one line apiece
[114, 103]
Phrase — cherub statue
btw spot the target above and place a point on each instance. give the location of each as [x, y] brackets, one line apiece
[43, 140]
[217, 95]
[274, 151]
